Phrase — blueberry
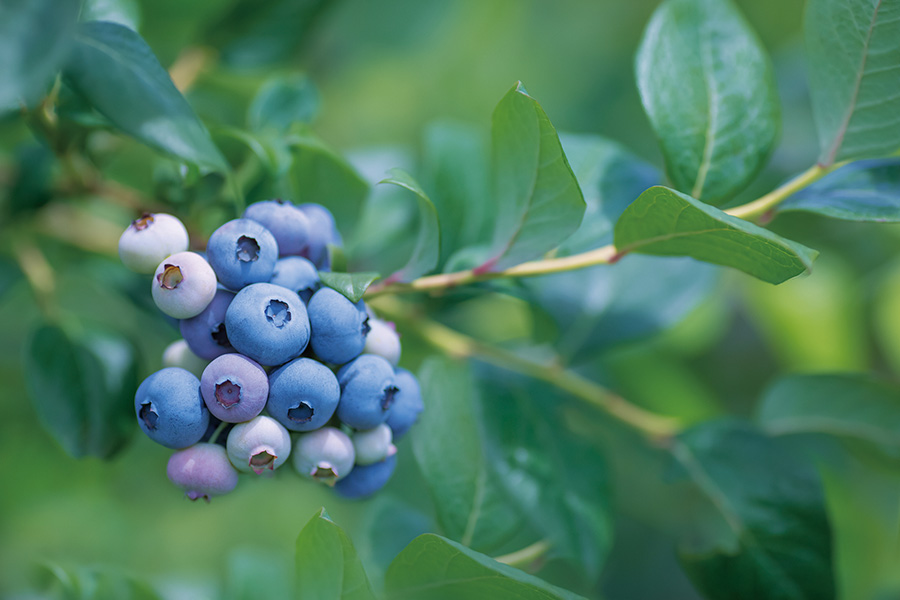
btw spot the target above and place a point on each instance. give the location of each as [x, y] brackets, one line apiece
[365, 480]
[325, 455]
[179, 354]
[150, 239]
[202, 471]
[407, 403]
[303, 394]
[322, 232]
[373, 445]
[382, 340]
[268, 323]
[206, 334]
[298, 274]
[184, 284]
[242, 252]
[234, 388]
[288, 224]
[258, 445]
[169, 408]
[339, 327]
[367, 392]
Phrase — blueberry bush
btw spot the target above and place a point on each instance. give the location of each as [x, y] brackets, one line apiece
[648, 305]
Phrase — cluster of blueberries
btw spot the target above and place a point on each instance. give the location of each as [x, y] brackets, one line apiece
[286, 366]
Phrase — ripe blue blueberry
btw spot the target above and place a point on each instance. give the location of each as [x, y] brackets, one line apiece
[365, 480]
[297, 274]
[206, 334]
[325, 455]
[242, 252]
[373, 445]
[339, 327]
[184, 284]
[303, 394]
[202, 471]
[407, 403]
[258, 445]
[179, 354]
[367, 392]
[382, 340]
[288, 224]
[150, 239]
[234, 388]
[268, 323]
[169, 408]
[322, 232]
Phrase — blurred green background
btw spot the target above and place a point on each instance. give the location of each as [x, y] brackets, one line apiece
[384, 71]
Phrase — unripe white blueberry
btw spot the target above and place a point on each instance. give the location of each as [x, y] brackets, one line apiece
[259, 444]
[373, 445]
[179, 354]
[383, 341]
[183, 285]
[150, 239]
[325, 455]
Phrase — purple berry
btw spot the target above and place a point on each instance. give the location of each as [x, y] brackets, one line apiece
[202, 471]
[234, 388]
[206, 334]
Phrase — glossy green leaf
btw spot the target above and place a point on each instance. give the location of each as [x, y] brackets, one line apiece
[853, 405]
[561, 484]
[327, 565]
[471, 506]
[83, 392]
[321, 175]
[668, 223]
[351, 285]
[539, 203]
[436, 568]
[427, 250]
[854, 61]
[123, 12]
[34, 38]
[776, 540]
[707, 86]
[866, 190]
[116, 71]
[456, 161]
[282, 101]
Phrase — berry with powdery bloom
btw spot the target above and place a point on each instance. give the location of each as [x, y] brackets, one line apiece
[268, 323]
[325, 455]
[287, 223]
[303, 394]
[169, 408]
[183, 286]
[206, 333]
[258, 445]
[373, 445]
[338, 326]
[234, 388]
[202, 471]
[322, 232]
[150, 239]
[297, 274]
[383, 341]
[408, 403]
[365, 480]
[368, 389]
[242, 252]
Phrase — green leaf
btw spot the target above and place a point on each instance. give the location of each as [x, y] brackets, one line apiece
[560, 483]
[668, 223]
[456, 164]
[707, 86]
[866, 190]
[854, 59]
[34, 38]
[123, 12]
[351, 285]
[282, 101]
[83, 392]
[610, 178]
[427, 250]
[321, 175]
[327, 565]
[447, 442]
[539, 203]
[852, 405]
[251, 574]
[776, 543]
[436, 568]
[116, 71]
